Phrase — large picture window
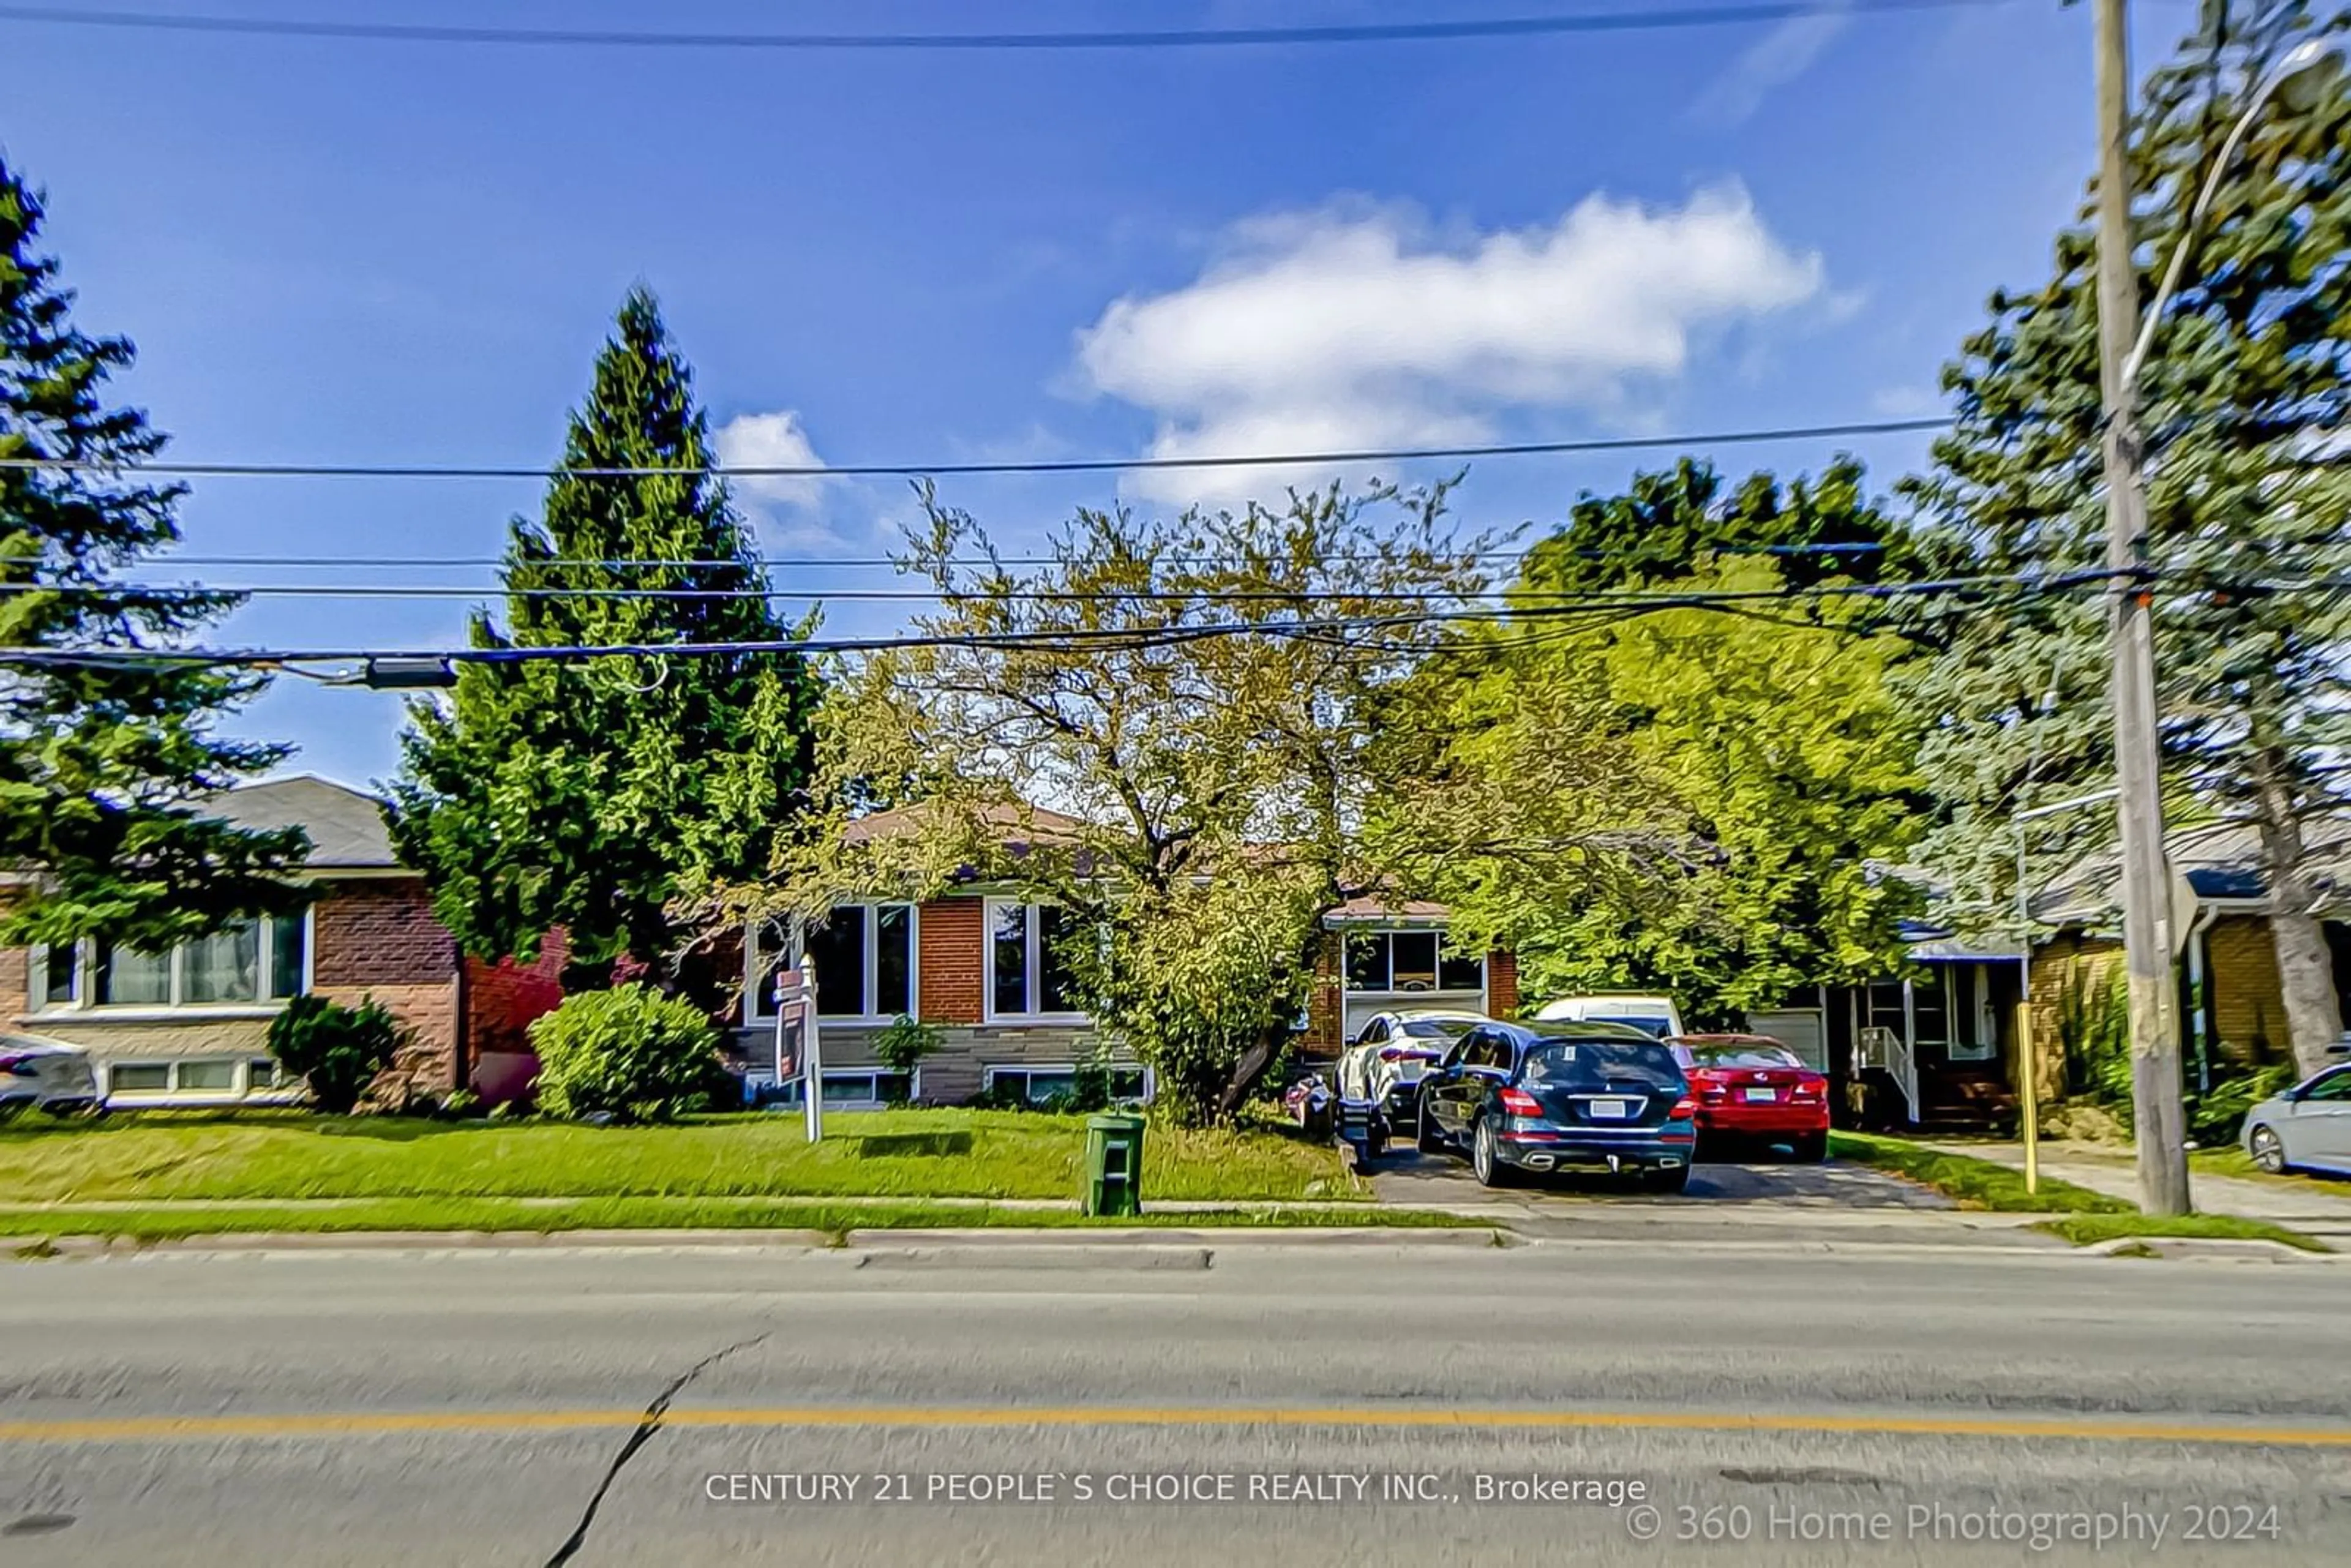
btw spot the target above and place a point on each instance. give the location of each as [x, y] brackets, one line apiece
[1028, 966]
[254, 963]
[1412, 962]
[864, 956]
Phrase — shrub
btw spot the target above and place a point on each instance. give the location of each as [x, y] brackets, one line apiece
[338, 1051]
[629, 1053]
[903, 1043]
[1089, 1081]
[2216, 1118]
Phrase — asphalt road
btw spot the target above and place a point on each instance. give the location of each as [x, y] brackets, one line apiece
[462, 1407]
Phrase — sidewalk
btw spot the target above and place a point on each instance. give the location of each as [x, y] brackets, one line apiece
[2301, 1204]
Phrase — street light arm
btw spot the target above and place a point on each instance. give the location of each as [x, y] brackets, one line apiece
[2191, 233]
[2311, 55]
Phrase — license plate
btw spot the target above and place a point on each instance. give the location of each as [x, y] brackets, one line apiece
[1611, 1109]
[1764, 1095]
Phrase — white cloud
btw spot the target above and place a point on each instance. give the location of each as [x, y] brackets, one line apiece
[1354, 328]
[1772, 62]
[771, 441]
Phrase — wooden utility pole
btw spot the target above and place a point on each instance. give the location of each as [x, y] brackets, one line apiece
[2159, 1119]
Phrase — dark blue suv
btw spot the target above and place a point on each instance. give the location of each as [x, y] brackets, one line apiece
[1562, 1096]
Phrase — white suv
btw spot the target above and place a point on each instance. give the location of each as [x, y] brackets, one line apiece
[1654, 1016]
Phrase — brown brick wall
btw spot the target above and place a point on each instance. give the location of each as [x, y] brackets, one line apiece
[953, 961]
[1501, 984]
[2054, 964]
[16, 978]
[2248, 1000]
[1326, 1004]
[380, 938]
[379, 932]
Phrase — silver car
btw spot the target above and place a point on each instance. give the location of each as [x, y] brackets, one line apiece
[48, 1073]
[1384, 1066]
[2306, 1128]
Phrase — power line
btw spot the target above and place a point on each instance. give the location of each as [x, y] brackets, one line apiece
[1065, 639]
[647, 563]
[1459, 30]
[933, 470]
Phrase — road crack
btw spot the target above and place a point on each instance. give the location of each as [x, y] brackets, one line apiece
[656, 1414]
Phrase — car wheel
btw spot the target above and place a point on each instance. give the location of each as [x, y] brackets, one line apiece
[1430, 1140]
[1674, 1180]
[1376, 1139]
[2268, 1152]
[1811, 1148]
[1487, 1160]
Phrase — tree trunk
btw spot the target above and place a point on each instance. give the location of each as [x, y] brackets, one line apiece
[2313, 1014]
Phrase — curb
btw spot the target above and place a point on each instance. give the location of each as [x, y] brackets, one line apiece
[1008, 1246]
[2211, 1249]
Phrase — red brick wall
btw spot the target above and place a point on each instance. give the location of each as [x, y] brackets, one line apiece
[952, 961]
[1501, 983]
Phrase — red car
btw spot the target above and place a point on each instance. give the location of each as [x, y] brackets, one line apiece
[1751, 1089]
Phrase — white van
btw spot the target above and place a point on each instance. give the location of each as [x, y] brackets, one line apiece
[1652, 1015]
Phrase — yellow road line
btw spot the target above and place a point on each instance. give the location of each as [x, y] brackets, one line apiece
[362, 1424]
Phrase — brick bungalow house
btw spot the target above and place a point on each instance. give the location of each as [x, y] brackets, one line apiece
[189, 1027]
[978, 962]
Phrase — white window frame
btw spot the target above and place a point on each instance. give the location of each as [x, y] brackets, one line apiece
[86, 974]
[242, 1090]
[1346, 975]
[1034, 963]
[758, 990]
[1150, 1078]
[873, 1102]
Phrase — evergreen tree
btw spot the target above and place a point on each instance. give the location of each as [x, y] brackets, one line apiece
[2245, 396]
[587, 794]
[1666, 523]
[104, 764]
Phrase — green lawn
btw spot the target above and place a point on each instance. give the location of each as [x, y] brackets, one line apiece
[2088, 1229]
[1972, 1183]
[900, 1153]
[30, 1230]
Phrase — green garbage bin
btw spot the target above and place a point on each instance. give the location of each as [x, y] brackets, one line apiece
[1113, 1165]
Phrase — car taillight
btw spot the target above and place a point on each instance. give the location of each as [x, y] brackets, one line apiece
[1807, 1089]
[1518, 1103]
[19, 1066]
[1684, 1109]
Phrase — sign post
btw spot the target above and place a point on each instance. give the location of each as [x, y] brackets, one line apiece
[796, 1041]
[812, 1067]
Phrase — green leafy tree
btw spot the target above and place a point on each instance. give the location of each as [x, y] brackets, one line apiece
[105, 763]
[2245, 397]
[585, 794]
[1194, 802]
[1774, 764]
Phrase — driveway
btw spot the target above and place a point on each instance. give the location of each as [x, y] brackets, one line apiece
[1406, 1175]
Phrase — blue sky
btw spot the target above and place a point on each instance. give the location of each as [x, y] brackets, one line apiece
[346, 252]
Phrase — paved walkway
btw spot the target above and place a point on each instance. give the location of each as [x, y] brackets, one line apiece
[2318, 1207]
